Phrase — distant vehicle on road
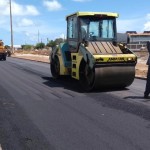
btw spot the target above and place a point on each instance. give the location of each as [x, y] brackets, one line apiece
[8, 54]
[8, 50]
[3, 52]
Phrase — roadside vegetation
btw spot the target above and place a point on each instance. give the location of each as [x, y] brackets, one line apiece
[40, 48]
[41, 52]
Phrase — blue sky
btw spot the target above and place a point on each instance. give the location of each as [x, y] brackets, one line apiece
[48, 17]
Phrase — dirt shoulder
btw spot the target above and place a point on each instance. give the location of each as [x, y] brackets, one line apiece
[141, 70]
[34, 57]
[141, 67]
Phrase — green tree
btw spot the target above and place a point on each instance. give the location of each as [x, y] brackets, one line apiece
[40, 45]
[58, 41]
[51, 44]
[7, 46]
[27, 47]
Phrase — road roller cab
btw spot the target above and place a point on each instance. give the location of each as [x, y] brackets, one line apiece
[91, 53]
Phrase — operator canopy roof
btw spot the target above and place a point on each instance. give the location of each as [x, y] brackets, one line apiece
[109, 14]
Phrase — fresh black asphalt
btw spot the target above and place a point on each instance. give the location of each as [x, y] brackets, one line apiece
[38, 112]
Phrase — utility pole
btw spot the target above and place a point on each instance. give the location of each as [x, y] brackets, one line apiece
[11, 28]
[38, 36]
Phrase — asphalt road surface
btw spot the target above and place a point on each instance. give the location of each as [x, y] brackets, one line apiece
[40, 113]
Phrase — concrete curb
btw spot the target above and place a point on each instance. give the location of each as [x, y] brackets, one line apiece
[30, 59]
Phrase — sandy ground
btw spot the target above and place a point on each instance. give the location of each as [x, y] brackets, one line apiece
[41, 58]
[141, 67]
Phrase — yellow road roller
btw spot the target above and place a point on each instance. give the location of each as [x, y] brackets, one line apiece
[91, 53]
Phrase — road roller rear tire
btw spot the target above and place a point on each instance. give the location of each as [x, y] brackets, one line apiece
[87, 77]
[55, 67]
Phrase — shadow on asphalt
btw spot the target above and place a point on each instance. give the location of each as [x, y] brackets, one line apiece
[138, 97]
[134, 97]
[64, 82]
[72, 84]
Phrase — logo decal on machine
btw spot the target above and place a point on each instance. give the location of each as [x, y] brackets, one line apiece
[110, 59]
[100, 59]
[116, 59]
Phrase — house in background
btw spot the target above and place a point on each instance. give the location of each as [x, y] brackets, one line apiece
[122, 38]
[137, 41]
[134, 41]
[16, 47]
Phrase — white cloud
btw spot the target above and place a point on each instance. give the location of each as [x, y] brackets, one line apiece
[148, 16]
[63, 36]
[138, 24]
[30, 37]
[82, 0]
[3, 3]
[30, 10]
[17, 9]
[147, 23]
[52, 5]
[29, 34]
[25, 23]
[2, 21]
[130, 25]
[147, 26]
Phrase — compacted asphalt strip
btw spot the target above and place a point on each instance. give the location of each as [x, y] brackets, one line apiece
[39, 112]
